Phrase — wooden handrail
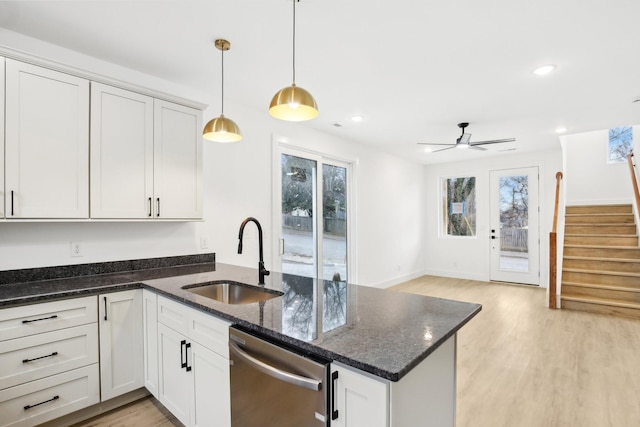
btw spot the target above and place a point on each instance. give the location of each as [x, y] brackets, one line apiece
[553, 248]
[555, 208]
[634, 181]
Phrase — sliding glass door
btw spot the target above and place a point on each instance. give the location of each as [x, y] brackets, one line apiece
[313, 216]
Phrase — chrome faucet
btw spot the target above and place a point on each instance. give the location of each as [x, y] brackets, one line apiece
[261, 270]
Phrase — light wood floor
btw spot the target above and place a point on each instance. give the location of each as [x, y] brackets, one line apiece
[146, 412]
[519, 363]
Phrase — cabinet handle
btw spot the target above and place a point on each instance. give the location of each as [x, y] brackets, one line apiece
[334, 393]
[158, 202]
[186, 356]
[56, 397]
[183, 364]
[150, 206]
[55, 353]
[11, 202]
[105, 309]
[55, 316]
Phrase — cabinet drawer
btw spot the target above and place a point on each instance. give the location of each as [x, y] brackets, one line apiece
[206, 329]
[38, 356]
[172, 314]
[43, 400]
[209, 331]
[17, 322]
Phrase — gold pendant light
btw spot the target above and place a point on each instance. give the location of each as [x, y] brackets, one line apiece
[293, 103]
[222, 129]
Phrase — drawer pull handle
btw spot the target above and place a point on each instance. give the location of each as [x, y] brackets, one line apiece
[55, 353]
[183, 345]
[55, 316]
[186, 356]
[56, 397]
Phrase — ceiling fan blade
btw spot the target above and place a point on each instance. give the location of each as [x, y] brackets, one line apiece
[448, 148]
[477, 148]
[493, 141]
[430, 143]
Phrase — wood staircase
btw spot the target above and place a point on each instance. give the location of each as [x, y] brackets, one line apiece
[601, 261]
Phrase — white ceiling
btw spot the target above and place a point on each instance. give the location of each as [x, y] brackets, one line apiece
[413, 69]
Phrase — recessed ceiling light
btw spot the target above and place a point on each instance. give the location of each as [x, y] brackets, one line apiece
[357, 118]
[561, 130]
[544, 70]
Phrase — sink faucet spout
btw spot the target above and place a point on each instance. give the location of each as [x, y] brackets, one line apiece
[262, 271]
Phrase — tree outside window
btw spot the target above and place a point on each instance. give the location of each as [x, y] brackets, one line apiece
[459, 206]
[620, 143]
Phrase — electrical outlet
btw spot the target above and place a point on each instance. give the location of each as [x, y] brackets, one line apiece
[76, 249]
[204, 243]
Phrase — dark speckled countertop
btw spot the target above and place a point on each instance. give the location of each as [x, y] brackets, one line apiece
[382, 332]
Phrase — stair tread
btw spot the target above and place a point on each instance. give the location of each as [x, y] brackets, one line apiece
[573, 245]
[599, 206]
[599, 214]
[599, 235]
[603, 272]
[601, 301]
[600, 258]
[599, 286]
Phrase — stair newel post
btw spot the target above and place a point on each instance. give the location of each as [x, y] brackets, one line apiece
[553, 249]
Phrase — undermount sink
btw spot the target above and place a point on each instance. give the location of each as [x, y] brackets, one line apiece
[230, 292]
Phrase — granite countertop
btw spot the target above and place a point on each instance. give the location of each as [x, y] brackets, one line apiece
[385, 333]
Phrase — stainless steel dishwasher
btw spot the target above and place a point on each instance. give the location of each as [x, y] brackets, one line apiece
[275, 386]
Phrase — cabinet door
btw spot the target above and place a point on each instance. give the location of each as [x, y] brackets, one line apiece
[2, 138]
[121, 343]
[174, 384]
[121, 153]
[150, 324]
[360, 400]
[211, 391]
[47, 143]
[177, 161]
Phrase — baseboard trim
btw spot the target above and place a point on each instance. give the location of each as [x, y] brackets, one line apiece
[397, 280]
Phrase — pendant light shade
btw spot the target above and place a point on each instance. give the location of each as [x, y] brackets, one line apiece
[293, 103]
[222, 129]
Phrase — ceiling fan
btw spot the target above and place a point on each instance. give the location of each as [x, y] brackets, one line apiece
[463, 141]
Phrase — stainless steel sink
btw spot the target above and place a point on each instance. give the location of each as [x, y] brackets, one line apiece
[230, 292]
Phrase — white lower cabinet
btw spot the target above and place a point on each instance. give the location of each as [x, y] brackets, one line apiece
[193, 380]
[150, 329]
[358, 399]
[423, 397]
[121, 343]
[48, 360]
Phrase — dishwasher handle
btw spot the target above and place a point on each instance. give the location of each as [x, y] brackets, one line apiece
[288, 377]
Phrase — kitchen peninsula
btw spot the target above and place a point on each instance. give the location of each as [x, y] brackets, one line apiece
[403, 343]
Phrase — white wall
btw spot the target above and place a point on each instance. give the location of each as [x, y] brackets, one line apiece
[389, 204]
[470, 257]
[589, 179]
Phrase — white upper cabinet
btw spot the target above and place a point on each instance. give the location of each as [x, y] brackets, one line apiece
[121, 153]
[177, 161]
[47, 143]
[1, 138]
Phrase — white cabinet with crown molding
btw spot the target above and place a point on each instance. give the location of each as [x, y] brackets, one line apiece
[46, 143]
[146, 157]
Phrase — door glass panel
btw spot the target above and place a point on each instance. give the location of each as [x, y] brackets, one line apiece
[514, 223]
[334, 217]
[298, 225]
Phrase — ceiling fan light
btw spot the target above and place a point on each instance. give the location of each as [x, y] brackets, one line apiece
[293, 104]
[221, 129]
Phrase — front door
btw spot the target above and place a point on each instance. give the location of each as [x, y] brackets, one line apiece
[515, 245]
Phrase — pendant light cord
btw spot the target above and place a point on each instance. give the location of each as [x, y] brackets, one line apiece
[222, 75]
[294, 41]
